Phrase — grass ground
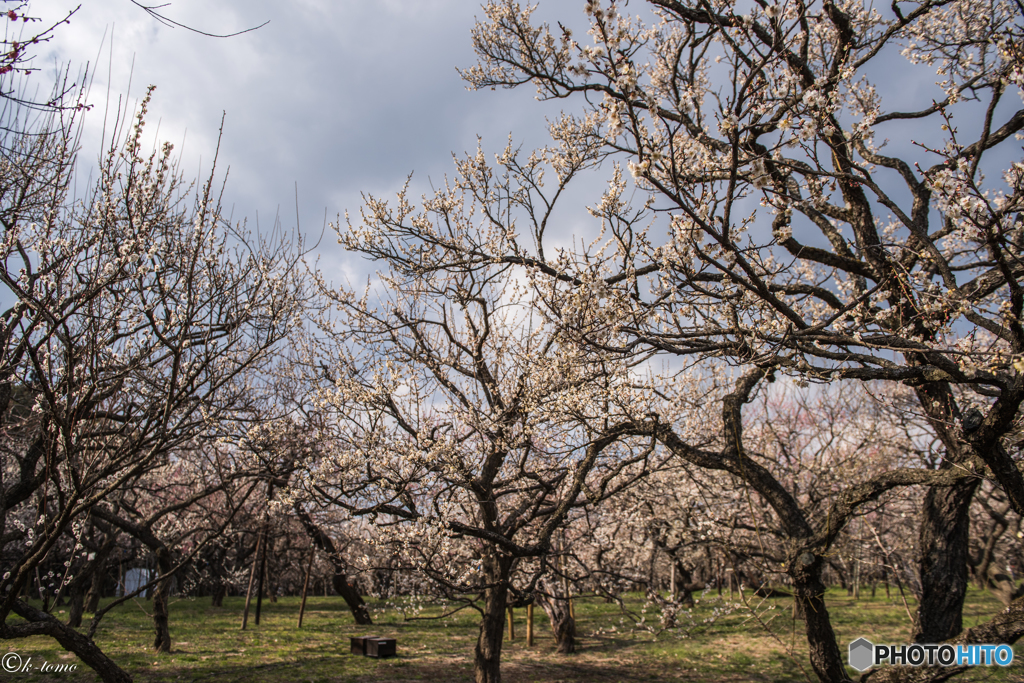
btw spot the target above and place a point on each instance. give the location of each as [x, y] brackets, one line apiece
[720, 641]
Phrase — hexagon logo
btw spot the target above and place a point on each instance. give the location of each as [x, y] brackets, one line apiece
[861, 654]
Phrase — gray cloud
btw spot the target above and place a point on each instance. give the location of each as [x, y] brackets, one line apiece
[339, 97]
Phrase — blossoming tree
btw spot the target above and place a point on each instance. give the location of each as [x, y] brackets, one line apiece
[465, 426]
[137, 326]
[779, 232]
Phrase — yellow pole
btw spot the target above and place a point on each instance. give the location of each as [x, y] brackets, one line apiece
[529, 625]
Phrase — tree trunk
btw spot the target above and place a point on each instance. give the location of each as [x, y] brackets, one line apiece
[305, 585]
[487, 657]
[1003, 586]
[345, 588]
[41, 623]
[98, 565]
[92, 597]
[164, 567]
[340, 581]
[826, 660]
[945, 523]
[220, 589]
[683, 584]
[161, 596]
[983, 566]
[161, 621]
[556, 606]
[252, 580]
[1006, 627]
[77, 606]
[529, 625]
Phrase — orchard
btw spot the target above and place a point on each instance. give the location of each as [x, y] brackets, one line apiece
[739, 347]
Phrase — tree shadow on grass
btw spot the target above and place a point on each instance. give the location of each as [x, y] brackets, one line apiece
[425, 669]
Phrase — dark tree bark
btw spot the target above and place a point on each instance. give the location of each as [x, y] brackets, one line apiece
[161, 596]
[1006, 627]
[945, 523]
[165, 567]
[98, 565]
[982, 565]
[220, 589]
[1003, 586]
[347, 590]
[684, 583]
[262, 571]
[340, 581]
[41, 623]
[92, 597]
[825, 657]
[77, 599]
[487, 656]
[556, 606]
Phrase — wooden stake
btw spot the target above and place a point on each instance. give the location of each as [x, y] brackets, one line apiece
[529, 625]
[252, 576]
[263, 560]
[305, 584]
[511, 625]
[259, 581]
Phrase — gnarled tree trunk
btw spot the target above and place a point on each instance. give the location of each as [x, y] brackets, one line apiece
[487, 657]
[945, 524]
[165, 565]
[77, 600]
[340, 581]
[97, 568]
[161, 596]
[809, 590]
[555, 603]
[41, 623]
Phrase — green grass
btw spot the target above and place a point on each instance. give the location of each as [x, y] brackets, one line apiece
[758, 641]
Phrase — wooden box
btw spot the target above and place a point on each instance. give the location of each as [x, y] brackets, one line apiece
[380, 647]
[359, 644]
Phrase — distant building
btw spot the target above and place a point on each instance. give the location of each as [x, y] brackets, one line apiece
[135, 579]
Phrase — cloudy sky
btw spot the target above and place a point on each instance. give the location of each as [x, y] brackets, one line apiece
[339, 96]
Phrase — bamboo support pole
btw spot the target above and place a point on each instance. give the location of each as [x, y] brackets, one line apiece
[305, 584]
[252, 577]
[529, 625]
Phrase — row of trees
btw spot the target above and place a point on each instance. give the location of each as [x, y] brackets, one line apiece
[138, 333]
[782, 350]
[770, 235]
